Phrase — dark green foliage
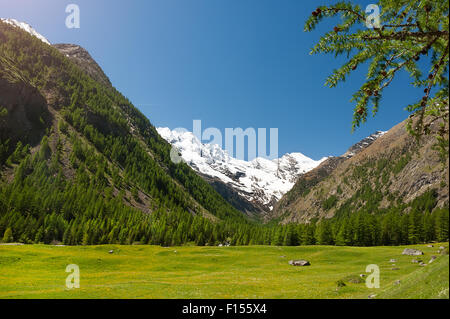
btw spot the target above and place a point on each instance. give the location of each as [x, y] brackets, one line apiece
[8, 236]
[4, 148]
[340, 283]
[330, 202]
[418, 222]
[324, 233]
[3, 112]
[354, 279]
[401, 164]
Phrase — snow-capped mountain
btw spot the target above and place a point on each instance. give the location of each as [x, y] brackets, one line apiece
[260, 181]
[26, 27]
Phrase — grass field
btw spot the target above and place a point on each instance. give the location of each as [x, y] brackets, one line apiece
[38, 271]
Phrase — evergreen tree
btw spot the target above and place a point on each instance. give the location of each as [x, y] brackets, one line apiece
[442, 223]
[278, 237]
[415, 227]
[324, 233]
[8, 236]
[343, 236]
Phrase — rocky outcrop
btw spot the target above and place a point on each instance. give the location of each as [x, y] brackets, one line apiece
[83, 59]
[364, 143]
[300, 262]
[412, 252]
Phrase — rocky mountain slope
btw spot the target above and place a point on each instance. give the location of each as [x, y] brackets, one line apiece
[83, 59]
[76, 53]
[252, 186]
[382, 171]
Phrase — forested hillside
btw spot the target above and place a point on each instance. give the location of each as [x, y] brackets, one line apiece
[80, 164]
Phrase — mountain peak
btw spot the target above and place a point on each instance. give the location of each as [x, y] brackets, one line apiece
[364, 143]
[260, 180]
[26, 27]
[84, 60]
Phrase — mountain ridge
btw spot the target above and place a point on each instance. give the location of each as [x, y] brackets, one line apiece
[393, 168]
[83, 59]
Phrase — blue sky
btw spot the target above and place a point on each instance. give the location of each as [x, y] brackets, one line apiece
[230, 63]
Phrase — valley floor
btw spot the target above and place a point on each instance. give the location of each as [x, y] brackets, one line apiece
[38, 271]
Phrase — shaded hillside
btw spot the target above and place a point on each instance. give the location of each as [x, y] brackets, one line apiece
[25, 113]
[394, 169]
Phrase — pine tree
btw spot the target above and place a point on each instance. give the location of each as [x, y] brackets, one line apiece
[39, 235]
[324, 233]
[8, 236]
[86, 239]
[442, 223]
[415, 227]
[343, 235]
[429, 232]
[404, 229]
[278, 237]
[308, 235]
[290, 236]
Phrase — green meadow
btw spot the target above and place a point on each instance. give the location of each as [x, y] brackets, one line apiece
[38, 271]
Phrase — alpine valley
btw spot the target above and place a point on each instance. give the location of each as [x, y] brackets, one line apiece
[80, 165]
[87, 181]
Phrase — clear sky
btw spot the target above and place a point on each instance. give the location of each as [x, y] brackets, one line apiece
[230, 63]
